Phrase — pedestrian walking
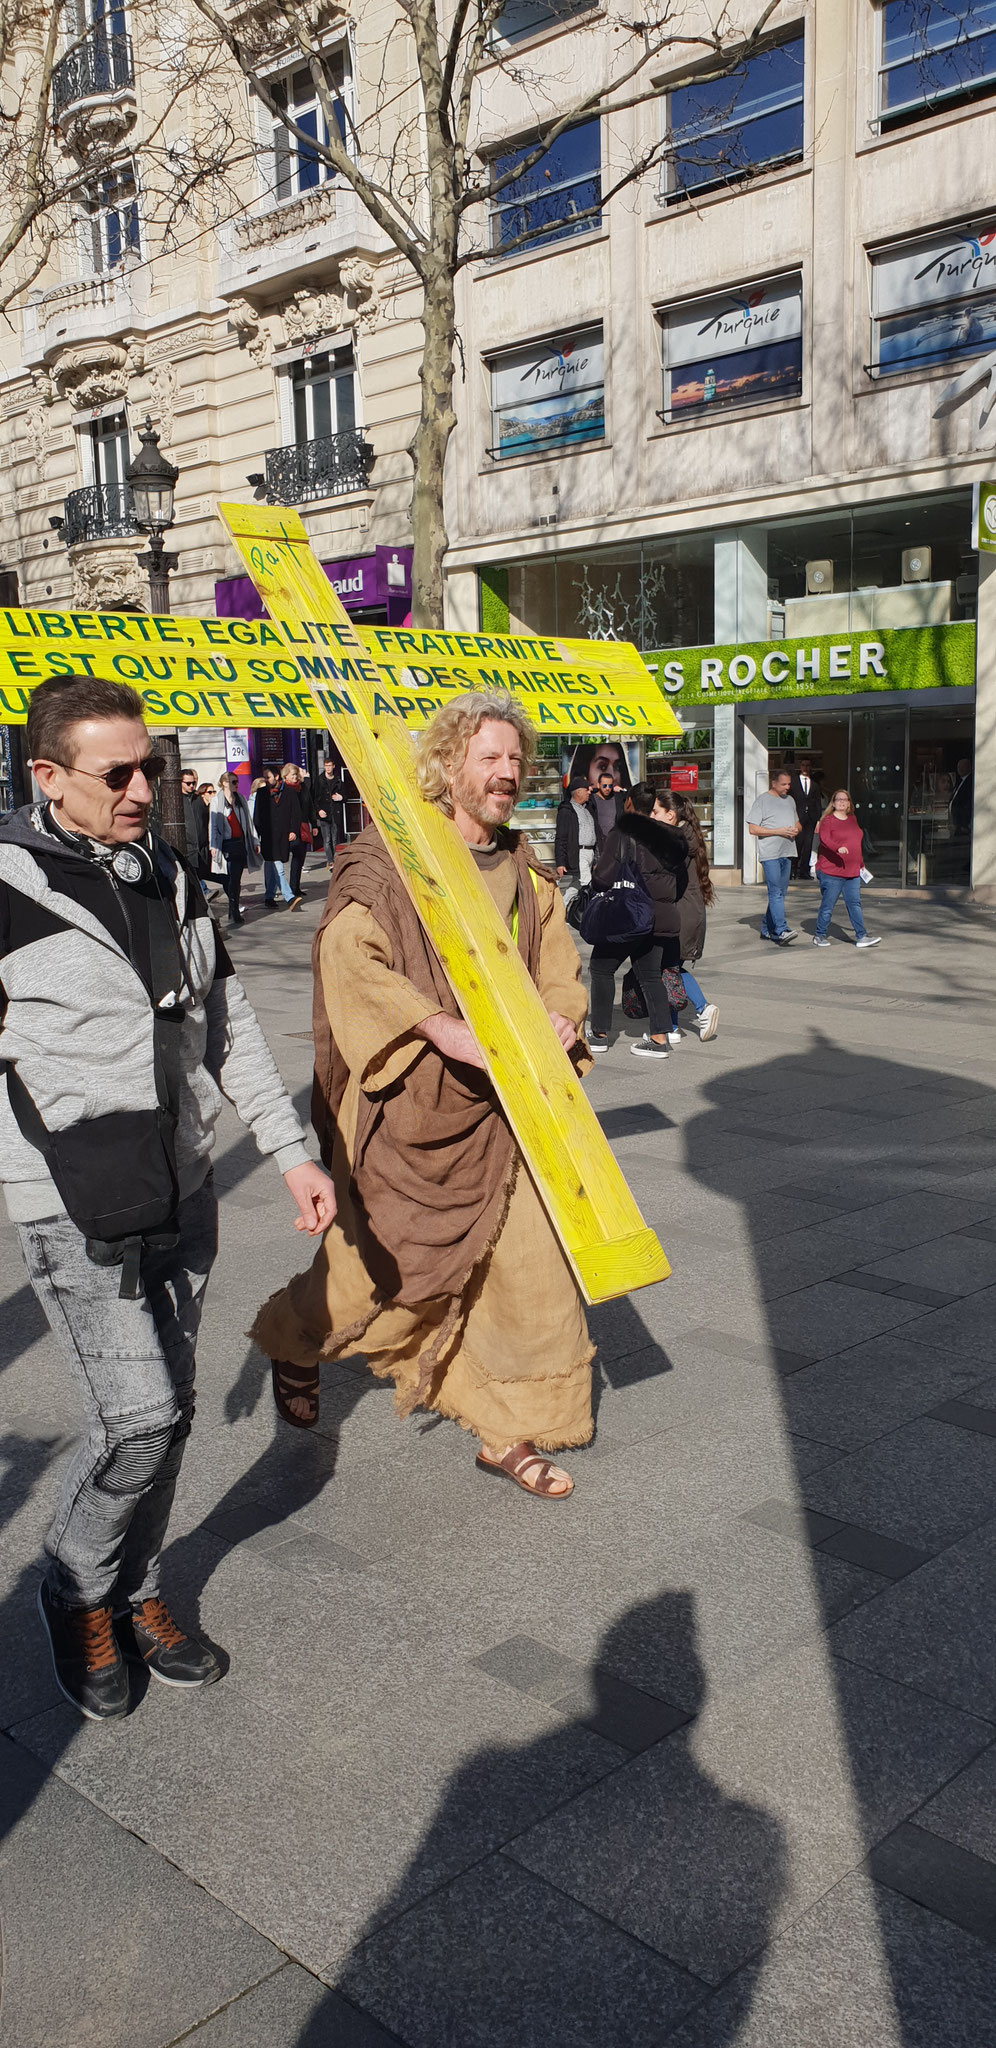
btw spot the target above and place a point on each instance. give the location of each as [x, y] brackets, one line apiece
[123, 1022]
[838, 863]
[678, 811]
[330, 809]
[658, 852]
[298, 829]
[195, 819]
[774, 820]
[234, 845]
[574, 843]
[444, 1270]
[273, 807]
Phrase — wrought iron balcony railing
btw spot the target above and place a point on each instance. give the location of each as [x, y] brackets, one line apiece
[99, 65]
[98, 512]
[326, 468]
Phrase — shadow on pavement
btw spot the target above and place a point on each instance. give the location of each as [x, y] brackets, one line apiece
[500, 1955]
[880, 1154]
[483, 1961]
[505, 1953]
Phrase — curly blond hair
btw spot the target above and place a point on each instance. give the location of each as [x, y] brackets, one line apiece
[440, 748]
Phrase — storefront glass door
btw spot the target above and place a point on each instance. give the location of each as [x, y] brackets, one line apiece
[910, 774]
[878, 789]
[939, 818]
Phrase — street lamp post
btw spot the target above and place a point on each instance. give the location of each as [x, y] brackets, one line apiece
[152, 482]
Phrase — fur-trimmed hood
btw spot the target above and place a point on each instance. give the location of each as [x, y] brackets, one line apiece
[666, 843]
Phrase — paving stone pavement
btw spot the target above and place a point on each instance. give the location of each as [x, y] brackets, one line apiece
[704, 1756]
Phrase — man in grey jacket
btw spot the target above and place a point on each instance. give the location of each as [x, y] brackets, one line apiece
[123, 1025]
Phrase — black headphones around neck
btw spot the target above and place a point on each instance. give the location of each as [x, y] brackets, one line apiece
[132, 863]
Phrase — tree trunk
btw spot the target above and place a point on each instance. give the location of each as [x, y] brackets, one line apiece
[428, 448]
[172, 823]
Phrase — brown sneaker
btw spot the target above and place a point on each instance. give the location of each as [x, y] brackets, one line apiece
[89, 1667]
[148, 1635]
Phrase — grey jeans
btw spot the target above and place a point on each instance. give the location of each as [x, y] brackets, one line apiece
[133, 1362]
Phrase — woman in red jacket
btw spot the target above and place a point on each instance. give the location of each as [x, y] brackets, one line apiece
[839, 867]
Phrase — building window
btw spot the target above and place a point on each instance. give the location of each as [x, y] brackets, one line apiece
[935, 53]
[558, 195]
[110, 229]
[104, 451]
[522, 18]
[323, 393]
[935, 301]
[721, 129]
[298, 166]
[735, 349]
[548, 395]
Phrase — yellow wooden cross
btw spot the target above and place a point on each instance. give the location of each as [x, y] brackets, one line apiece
[609, 1246]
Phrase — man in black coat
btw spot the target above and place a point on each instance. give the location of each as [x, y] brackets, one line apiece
[807, 797]
[195, 819]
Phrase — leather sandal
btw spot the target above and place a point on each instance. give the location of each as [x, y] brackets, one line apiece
[516, 1463]
[298, 1383]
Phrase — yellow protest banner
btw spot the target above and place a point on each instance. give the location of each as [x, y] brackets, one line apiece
[604, 1236]
[239, 672]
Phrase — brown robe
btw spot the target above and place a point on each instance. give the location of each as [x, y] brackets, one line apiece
[441, 1266]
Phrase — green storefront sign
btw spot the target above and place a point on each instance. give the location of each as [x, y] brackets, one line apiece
[835, 665]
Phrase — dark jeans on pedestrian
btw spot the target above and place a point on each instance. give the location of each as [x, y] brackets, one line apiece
[330, 840]
[133, 1364]
[646, 959]
[297, 854]
[776, 875]
[235, 867]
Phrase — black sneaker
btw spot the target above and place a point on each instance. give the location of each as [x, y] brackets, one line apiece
[89, 1667]
[148, 1635]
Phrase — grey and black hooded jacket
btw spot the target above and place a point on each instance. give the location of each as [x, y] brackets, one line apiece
[77, 1022]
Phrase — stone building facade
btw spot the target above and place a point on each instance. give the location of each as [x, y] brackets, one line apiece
[272, 337]
[738, 412]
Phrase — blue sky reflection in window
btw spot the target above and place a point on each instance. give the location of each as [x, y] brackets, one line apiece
[934, 51]
[723, 128]
[522, 18]
[558, 195]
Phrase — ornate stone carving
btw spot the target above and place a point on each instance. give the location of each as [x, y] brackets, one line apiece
[360, 281]
[38, 430]
[94, 372]
[108, 579]
[291, 217]
[311, 313]
[176, 345]
[244, 321]
[164, 385]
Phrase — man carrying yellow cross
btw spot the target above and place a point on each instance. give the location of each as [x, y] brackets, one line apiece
[442, 1266]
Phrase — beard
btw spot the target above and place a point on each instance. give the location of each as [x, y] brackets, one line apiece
[492, 805]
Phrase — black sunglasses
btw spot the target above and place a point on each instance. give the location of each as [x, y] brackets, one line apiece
[119, 777]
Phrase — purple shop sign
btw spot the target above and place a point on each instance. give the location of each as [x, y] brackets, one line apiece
[378, 582]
